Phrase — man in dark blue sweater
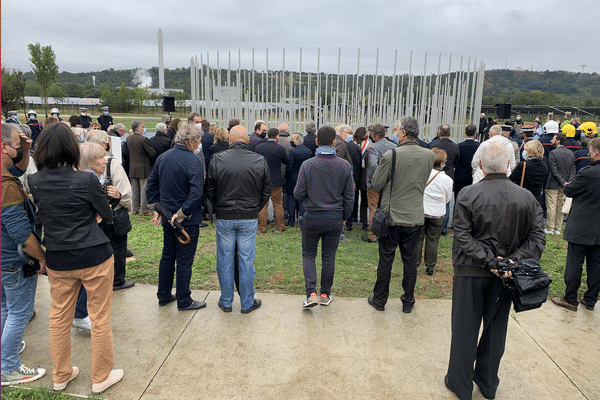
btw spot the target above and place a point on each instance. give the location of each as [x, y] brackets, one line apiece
[177, 182]
[275, 155]
[326, 187]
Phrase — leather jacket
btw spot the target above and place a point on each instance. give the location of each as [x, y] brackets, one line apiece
[67, 202]
[238, 183]
[494, 218]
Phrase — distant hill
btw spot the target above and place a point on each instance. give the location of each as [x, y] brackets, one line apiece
[501, 86]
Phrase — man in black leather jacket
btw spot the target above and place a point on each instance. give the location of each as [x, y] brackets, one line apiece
[492, 218]
[238, 185]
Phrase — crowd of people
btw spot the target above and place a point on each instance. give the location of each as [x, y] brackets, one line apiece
[61, 178]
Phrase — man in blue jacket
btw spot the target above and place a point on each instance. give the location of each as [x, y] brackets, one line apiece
[298, 155]
[177, 182]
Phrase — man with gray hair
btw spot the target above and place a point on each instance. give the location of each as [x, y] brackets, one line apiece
[160, 142]
[495, 137]
[341, 145]
[404, 204]
[310, 139]
[381, 144]
[177, 182]
[493, 220]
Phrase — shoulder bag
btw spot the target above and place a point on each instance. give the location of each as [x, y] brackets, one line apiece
[121, 221]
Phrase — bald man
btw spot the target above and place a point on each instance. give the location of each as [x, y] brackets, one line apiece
[238, 185]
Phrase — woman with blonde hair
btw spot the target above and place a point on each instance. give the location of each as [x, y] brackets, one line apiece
[221, 142]
[531, 173]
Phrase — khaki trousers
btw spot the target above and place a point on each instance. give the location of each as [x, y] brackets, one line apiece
[263, 216]
[555, 198]
[64, 287]
[372, 198]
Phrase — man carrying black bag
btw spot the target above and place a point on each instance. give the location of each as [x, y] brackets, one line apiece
[493, 220]
[405, 216]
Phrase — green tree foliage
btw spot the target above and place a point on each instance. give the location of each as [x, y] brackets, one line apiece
[13, 90]
[44, 67]
[119, 100]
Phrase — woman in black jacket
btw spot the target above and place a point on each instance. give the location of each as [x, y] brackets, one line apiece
[70, 204]
[221, 142]
[536, 170]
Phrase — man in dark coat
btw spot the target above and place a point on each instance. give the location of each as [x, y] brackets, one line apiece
[105, 120]
[583, 234]
[256, 137]
[141, 155]
[310, 138]
[160, 142]
[561, 163]
[484, 213]
[298, 155]
[34, 125]
[353, 157]
[208, 139]
[453, 152]
[275, 155]
[463, 173]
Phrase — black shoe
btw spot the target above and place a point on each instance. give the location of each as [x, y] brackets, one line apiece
[225, 309]
[407, 308]
[129, 253]
[349, 228]
[444, 233]
[164, 303]
[429, 271]
[581, 300]
[448, 384]
[125, 285]
[366, 239]
[202, 225]
[255, 306]
[371, 301]
[196, 305]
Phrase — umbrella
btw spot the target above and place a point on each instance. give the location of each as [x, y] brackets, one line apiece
[162, 210]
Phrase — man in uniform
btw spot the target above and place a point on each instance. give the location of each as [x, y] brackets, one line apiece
[12, 118]
[105, 120]
[34, 125]
[85, 119]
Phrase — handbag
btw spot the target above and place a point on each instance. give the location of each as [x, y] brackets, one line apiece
[529, 285]
[379, 225]
[121, 221]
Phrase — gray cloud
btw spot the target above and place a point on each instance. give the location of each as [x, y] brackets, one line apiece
[123, 34]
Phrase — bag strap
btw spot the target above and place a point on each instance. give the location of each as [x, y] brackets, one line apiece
[427, 184]
[108, 168]
[392, 180]
[523, 174]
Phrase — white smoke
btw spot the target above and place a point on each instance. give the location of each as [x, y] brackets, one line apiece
[142, 78]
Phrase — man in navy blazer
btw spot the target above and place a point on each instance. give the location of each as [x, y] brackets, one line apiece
[275, 155]
[463, 173]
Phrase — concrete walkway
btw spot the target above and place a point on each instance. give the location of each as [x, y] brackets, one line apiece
[347, 350]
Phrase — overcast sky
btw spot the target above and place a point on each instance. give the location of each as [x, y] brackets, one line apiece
[93, 36]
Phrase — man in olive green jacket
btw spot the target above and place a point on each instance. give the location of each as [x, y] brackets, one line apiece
[413, 166]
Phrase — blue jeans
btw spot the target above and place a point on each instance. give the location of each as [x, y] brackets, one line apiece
[242, 232]
[292, 203]
[18, 299]
[81, 305]
[184, 254]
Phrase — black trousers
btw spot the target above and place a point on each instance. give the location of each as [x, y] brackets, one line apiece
[475, 300]
[576, 254]
[119, 246]
[407, 239]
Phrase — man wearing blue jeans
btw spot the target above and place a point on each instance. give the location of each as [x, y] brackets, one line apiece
[238, 185]
[177, 182]
[326, 187]
[18, 286]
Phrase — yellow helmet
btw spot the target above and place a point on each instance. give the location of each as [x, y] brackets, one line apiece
[589, 128]
[568, 130]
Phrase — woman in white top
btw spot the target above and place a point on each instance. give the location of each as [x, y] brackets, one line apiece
[438, 192]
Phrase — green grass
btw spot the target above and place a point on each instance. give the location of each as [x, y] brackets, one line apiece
[278, 263]
[39, 393]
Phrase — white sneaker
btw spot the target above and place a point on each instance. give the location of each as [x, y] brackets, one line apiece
[84, 324]
[557, 232]
[548, 232]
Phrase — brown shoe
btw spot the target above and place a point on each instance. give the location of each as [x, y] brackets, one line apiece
[582, 301]
[147, 214]
[563, 303]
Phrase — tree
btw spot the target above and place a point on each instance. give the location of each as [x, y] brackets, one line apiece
[13, 90]
[44, 67]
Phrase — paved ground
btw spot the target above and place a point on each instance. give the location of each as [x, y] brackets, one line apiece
[347, 350]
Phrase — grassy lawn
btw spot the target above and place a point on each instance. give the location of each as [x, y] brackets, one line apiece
[39, 393]
[278, 263]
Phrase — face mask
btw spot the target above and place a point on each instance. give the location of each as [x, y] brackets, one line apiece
[144, 131]
[32, 117]
[395, 138]
[18, 157]
[54, 115]
[348, 138]
[105, 112]
[518, 118]
[524, 154]
[83, 114]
